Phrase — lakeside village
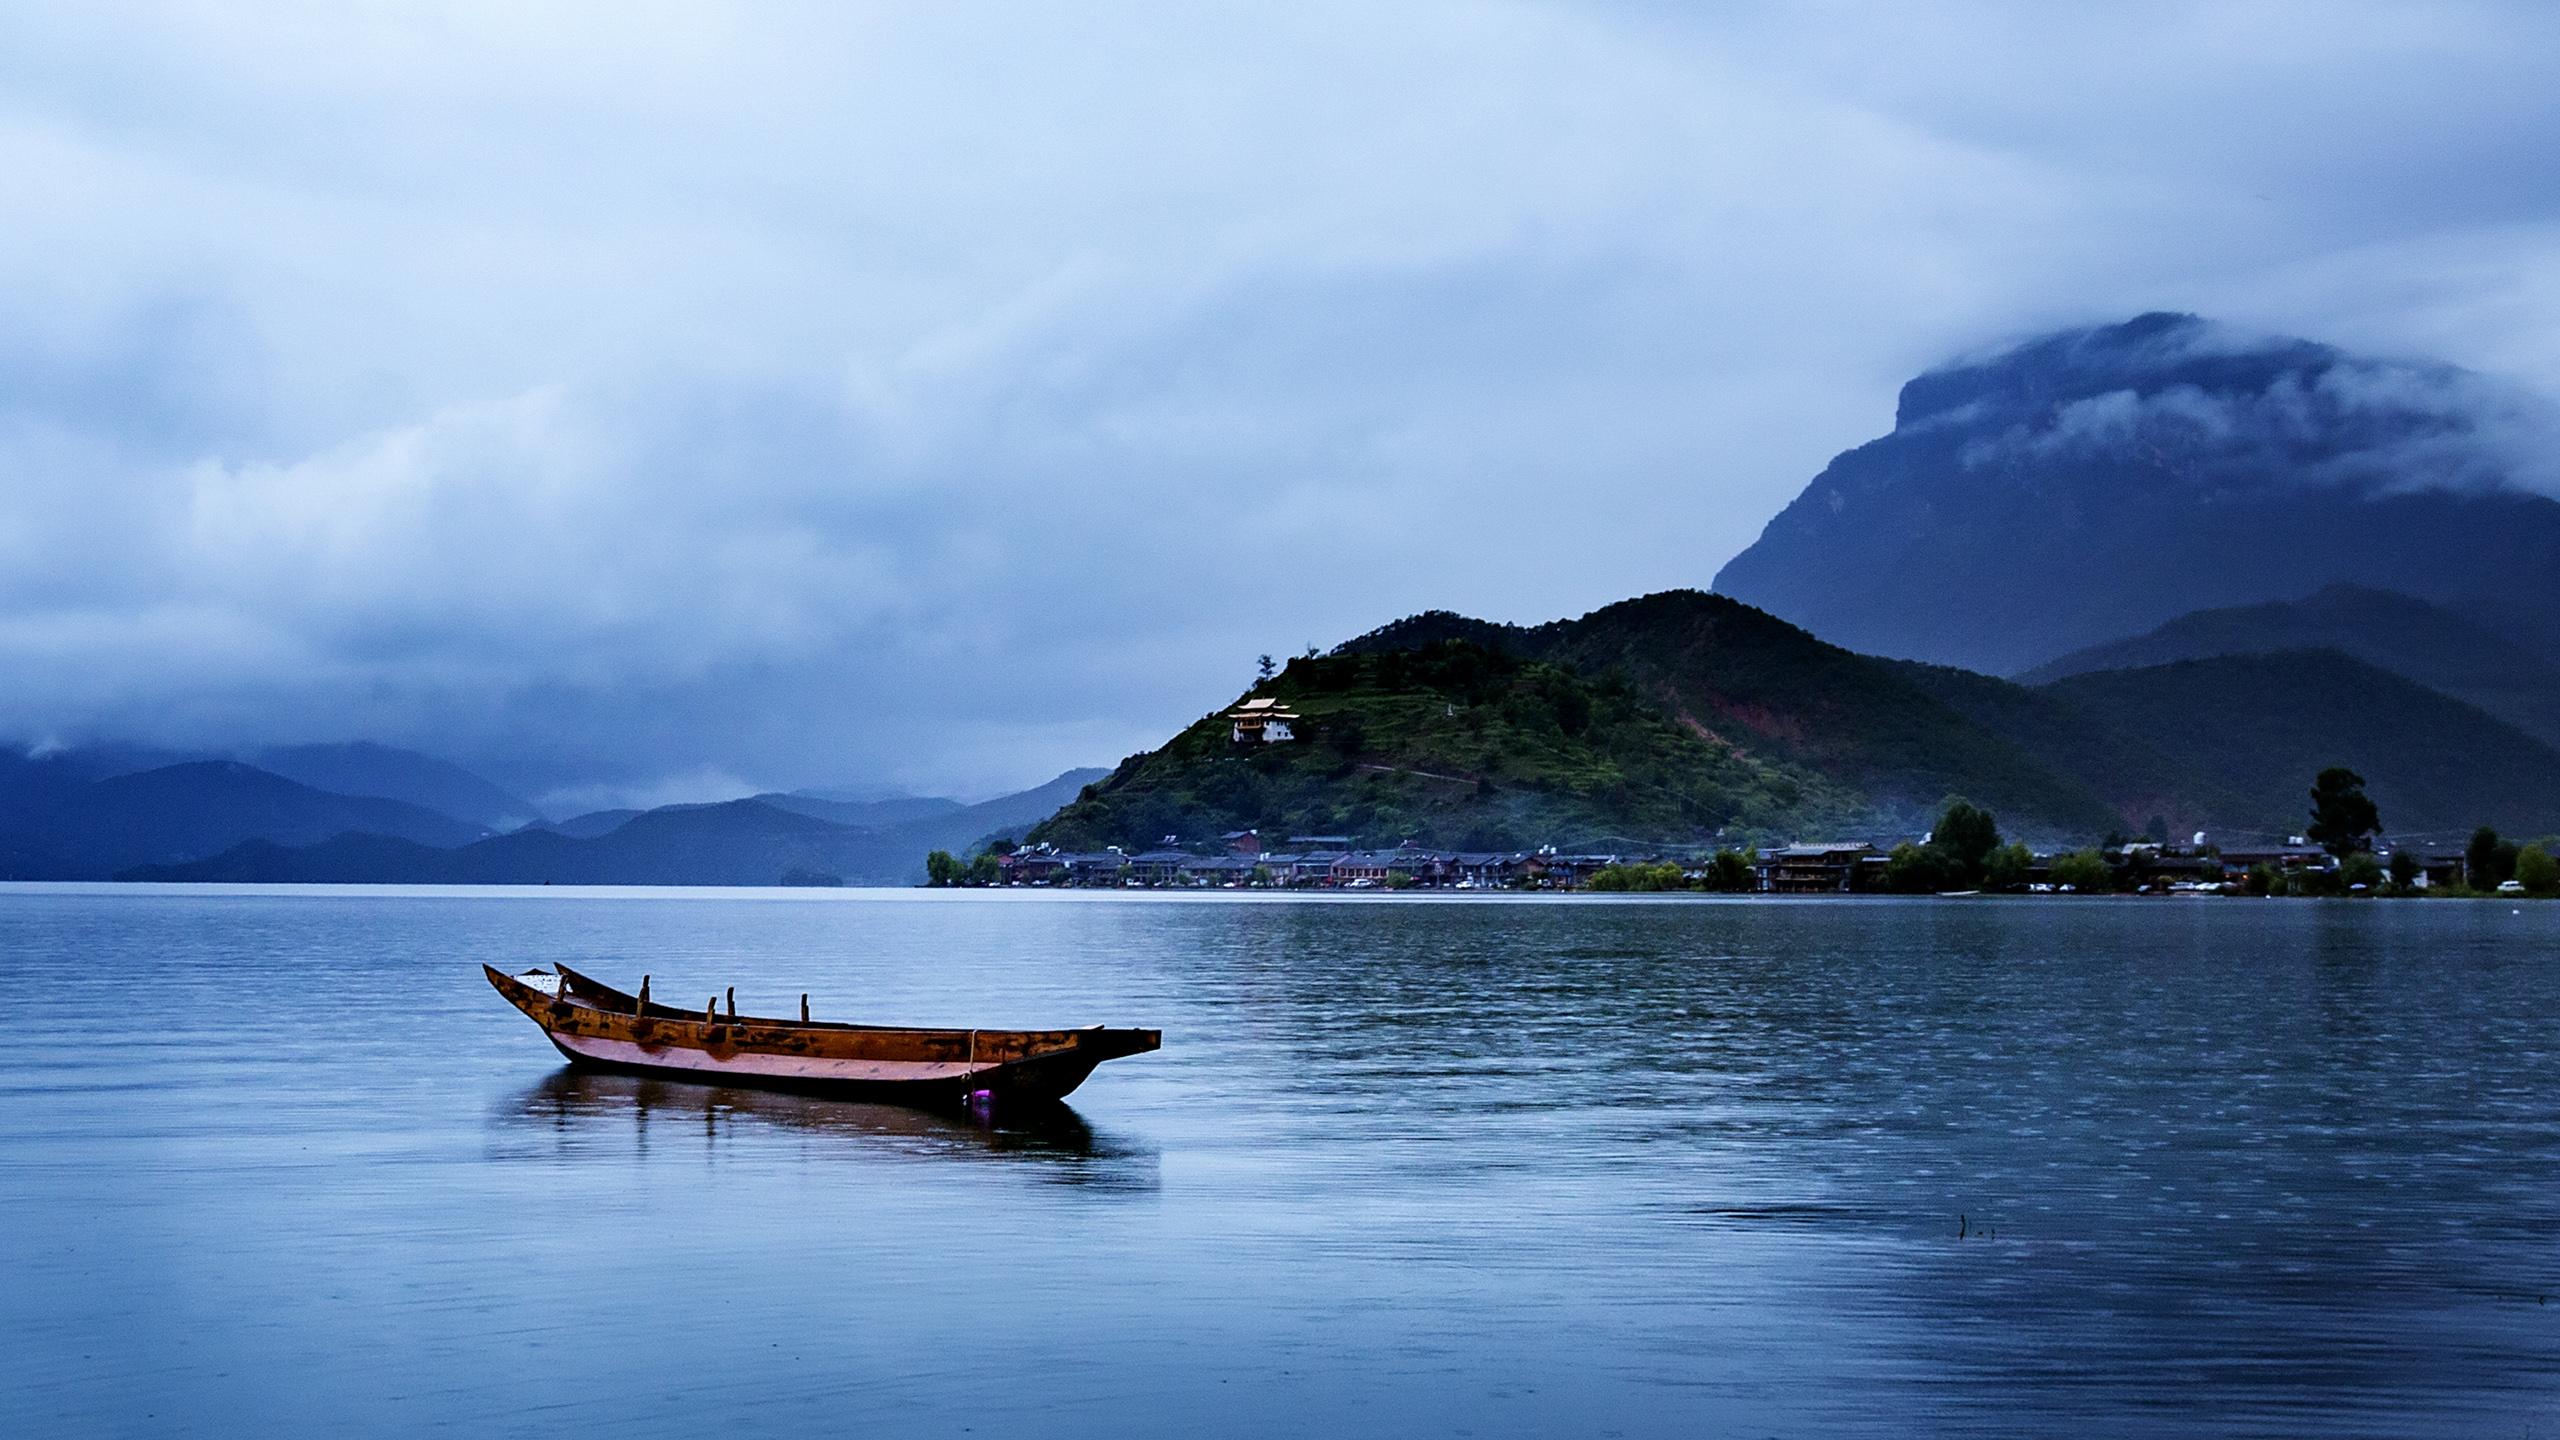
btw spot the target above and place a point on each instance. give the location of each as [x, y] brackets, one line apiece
[2339, 854]
[1331, 862]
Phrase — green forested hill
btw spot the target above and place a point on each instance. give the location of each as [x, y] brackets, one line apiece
[1453, 743]
[1740, 675]
[1676, 716]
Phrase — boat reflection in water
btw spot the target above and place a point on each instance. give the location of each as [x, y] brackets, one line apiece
[585, 1111]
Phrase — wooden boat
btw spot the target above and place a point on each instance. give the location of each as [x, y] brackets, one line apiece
[595, 1025]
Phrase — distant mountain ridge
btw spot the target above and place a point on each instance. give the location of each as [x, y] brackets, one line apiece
[362, 767]
[55, 823]
[2255, 723]
[108, 810]
[2393, 632]
[862, 814]
[738, 842]
[2093, 484]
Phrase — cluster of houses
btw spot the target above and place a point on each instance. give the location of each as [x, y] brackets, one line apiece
[1852, 868]
[1337, 862]
[1306, 862]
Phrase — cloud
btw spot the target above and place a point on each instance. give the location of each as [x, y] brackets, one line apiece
[794, 394]
[2207, 401]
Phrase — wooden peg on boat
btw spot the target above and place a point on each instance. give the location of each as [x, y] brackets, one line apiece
[733, 1002]
[641, 1005]
[804, 1007]
[711, 1011]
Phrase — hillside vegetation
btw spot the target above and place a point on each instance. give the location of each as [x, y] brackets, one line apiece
[1740, 676]
[1455, 743]
[2142, 772]
[2259, 725]
[2399, 633]
[1684, 717]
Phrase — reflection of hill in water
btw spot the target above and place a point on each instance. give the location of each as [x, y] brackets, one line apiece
[585, 1109]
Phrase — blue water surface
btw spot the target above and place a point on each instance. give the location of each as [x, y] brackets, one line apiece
[277, 1161]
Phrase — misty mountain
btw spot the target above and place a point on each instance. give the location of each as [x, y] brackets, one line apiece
[2260, 726]
[55, 823]
[737, 843]
[591, 824]
[364, 768]
[862, 794]
[861, 814]
[2398, 633]
[740, 842]
[1015, 813]
[2094, 484]
[99, 760]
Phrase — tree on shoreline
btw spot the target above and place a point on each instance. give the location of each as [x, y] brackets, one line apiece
[2405, 868]
[1734, 870]
[2537, 871]
[2343, 818]
[1963, 852]
[2488, 862]
[2082, 870]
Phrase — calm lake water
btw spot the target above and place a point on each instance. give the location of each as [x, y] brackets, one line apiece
[280, 1162]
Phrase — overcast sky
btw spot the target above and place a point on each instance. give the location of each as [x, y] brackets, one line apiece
[661, 401]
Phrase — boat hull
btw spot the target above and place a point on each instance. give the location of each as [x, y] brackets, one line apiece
[596, 1027]
[909, 1085]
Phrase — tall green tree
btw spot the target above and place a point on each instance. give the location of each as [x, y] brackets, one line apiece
[2404, 868]
[1734, 870]
[1922, 870]
[1966, 835]
[2006, 868]
[2082, 870]
[2488, 862]
[2343, 818]
[943, 869]
[2537, 871]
